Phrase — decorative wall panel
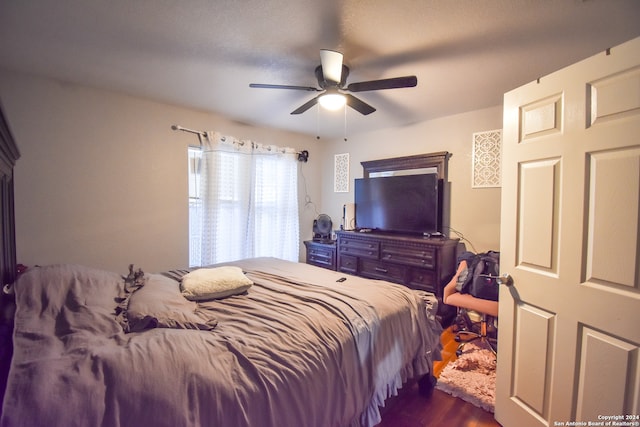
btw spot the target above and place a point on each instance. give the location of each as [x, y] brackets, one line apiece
[341, 173]
[487, 148]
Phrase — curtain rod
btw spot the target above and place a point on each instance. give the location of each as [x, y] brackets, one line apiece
[303, 155]
[197, 132]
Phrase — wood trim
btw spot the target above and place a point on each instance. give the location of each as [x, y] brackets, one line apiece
[9, 154]
[8, 260]
[436, 160]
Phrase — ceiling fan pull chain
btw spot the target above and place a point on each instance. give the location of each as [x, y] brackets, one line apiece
[317, 121]
[345, 122]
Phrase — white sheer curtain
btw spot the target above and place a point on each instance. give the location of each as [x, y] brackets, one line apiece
[249, 195]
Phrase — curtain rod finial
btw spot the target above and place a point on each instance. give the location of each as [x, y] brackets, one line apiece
[303, 156]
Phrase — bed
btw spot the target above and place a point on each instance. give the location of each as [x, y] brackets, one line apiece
[296, 347]
[81, 346]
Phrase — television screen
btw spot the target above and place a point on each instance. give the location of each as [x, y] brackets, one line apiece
[404, 203]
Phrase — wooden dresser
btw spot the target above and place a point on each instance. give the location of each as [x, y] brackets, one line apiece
[415, 261]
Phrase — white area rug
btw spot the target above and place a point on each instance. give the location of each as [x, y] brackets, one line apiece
[472, 377]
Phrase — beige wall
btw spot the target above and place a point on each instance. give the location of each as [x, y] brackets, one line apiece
[102, 180]
[473, 212]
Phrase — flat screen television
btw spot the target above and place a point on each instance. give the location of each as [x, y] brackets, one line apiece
[402, 204]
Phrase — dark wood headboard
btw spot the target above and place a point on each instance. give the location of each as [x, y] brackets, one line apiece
[9, 154]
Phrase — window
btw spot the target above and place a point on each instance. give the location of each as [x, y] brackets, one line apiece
[242, 205]
[195, 205]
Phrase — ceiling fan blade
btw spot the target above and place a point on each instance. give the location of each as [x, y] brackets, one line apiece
[304, 107]
[267, 86]
[331, 65]
[394, 83]
[359, 105]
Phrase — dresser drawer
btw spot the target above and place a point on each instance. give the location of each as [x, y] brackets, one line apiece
[423, 279]
[321, 254]
[383, 270]
[415, 256]
[348, 264]
[361, 248]
[320, 260]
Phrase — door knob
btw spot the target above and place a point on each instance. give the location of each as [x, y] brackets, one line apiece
[505, 279]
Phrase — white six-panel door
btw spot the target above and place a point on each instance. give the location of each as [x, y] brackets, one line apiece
[569, 328]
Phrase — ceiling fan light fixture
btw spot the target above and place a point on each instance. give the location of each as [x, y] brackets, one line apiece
[331, 65]
[332, 75]
[332, 100]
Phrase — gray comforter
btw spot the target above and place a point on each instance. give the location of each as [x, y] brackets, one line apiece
[297, 349]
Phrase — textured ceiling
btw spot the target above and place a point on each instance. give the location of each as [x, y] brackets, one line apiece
[203, 54]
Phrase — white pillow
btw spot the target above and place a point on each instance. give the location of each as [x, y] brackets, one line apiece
[211, 283]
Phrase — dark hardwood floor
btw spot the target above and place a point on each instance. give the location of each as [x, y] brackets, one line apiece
[411, 409]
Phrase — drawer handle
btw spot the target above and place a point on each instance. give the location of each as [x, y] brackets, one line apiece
[381, 270]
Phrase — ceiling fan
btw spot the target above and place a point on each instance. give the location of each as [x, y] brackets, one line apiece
[332, 78]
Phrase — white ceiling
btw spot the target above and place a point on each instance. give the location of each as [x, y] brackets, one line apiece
[204, 53]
